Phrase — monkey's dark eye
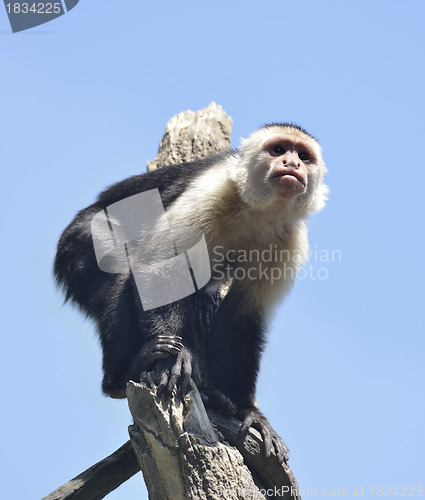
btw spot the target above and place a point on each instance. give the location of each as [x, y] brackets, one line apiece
[278, 150]
[303, 156]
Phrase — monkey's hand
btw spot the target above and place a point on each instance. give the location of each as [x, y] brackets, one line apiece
[252, 417]
[176, 372]
[160, 347]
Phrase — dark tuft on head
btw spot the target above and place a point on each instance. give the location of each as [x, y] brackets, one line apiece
[289, 124]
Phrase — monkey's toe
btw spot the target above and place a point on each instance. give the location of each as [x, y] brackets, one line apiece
[273, 445]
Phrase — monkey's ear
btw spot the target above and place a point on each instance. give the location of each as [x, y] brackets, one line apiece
[254, 141]
[320, 196]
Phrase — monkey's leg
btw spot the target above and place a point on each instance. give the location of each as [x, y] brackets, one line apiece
[155, 341]
[216, 400]
[235, 345]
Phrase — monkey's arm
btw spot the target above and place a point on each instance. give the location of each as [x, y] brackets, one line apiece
[132, 339]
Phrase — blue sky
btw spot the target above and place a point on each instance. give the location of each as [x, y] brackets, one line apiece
[84, 101]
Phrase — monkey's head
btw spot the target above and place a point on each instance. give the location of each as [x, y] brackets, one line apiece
[282, 164]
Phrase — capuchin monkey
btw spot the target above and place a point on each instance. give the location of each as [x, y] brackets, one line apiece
[251, 207]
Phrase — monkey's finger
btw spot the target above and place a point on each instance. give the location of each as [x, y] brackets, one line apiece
[169, 340]
[252, 420]
[161, 376]
[175, 373]
[185, 381]
[174, 345]
[185, 373]
[167, 348]
[246, 424]
[267, 440]
[281, 450]
[159, 352]
[170, 337]
[156, 356]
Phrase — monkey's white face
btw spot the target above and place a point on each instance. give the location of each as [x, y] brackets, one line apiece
[287, 163]
[281, 166]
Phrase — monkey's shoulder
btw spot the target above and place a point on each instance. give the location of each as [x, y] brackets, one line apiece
[171, 180]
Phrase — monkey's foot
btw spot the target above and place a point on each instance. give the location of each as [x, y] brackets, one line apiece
[176, 372]
[216, 400]
[252, 417]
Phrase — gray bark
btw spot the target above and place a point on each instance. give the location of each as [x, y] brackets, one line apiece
[192, 135]
[180, 452]
[184, 453]
[100, 479]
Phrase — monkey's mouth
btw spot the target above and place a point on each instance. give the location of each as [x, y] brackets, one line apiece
[279, 175]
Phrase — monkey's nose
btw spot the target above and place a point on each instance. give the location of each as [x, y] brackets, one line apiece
[290, 160]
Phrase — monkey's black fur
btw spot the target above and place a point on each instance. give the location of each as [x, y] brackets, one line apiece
[165, 339]
[112, 301]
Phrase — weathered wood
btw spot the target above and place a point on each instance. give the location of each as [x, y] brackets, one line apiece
[100, 479]
[192, 135]
[180, 452]
[183, 456]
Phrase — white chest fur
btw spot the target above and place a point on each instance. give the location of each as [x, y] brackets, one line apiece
[260, 250]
